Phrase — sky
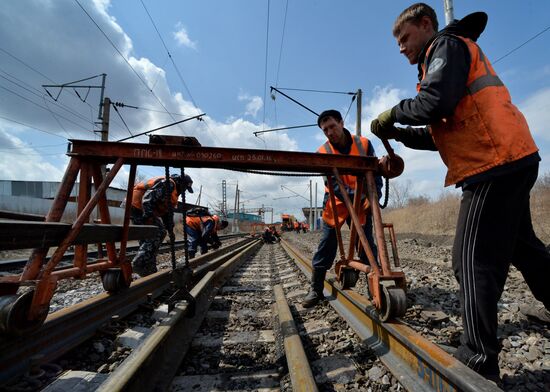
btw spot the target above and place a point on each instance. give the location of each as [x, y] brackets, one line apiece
[220, 58]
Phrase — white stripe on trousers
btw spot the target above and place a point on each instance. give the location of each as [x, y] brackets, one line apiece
[468, 273]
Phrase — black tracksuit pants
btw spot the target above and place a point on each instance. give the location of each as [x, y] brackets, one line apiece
[494, 229]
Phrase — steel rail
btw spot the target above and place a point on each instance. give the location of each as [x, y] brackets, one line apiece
[417, 363]
[8, 265]
[301, 375]
[153, 365]
[67, 328]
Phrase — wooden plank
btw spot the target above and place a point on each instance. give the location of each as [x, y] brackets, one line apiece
[26, 234]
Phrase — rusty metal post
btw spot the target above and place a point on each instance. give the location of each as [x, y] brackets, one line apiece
[104, 211]
[335, 215]
[377, 222]
[32, 268]
[357, 206]
[81, 219]
[125, 266]
[84, 194]
[356, 222]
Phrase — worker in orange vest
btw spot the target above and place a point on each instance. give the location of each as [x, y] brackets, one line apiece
[150, 207]
[485, 142]
[340, 141]
[202, 228]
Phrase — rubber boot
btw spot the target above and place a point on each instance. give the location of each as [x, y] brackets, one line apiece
[316, 291]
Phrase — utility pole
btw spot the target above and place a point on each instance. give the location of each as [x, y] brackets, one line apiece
[224, 198]
[234, 227]
[449, 11]
[310, 218]
[358, 119]
[105, 120]
[198, 202]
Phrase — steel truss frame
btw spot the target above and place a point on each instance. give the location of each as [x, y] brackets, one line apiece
[86, 158]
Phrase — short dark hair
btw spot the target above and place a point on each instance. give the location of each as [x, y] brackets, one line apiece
[414, 14]
[335, 114]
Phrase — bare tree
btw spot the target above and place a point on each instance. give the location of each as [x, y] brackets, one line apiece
[399, 193]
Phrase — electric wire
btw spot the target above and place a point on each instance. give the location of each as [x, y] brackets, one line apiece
[523, 44]
[55, 118]
[120, 115]
[169, 55]
[179, 74]
[40, 94]
[30, 67]
[40, 106]
[281, 48]
[316, 91]
[126, 60]
[31, 127]
[266, 57]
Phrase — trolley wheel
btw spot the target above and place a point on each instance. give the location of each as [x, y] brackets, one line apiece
[113, 280]
[349, 278]
[394, 303]
[13, 314]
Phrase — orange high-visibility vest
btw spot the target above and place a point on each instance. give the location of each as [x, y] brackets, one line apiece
[359, 146]
[142, 187]
[486, 129]
[197, 222]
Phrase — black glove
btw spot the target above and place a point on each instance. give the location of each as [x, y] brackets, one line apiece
[172, 236]
[388, 132]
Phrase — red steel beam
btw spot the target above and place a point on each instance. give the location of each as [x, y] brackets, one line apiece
[225, 158]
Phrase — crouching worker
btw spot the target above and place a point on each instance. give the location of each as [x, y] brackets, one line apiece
[340, 141]
[149, 207]
[202, 230]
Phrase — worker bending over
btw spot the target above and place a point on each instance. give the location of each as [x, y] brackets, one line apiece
[202, 228]
[150, 207]
[487, 146]
[340, 141]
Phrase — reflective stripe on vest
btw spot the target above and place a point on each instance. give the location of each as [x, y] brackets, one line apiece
[486, 130]
[359, 147]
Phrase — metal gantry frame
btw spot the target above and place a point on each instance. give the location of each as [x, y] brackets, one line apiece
[386, 284]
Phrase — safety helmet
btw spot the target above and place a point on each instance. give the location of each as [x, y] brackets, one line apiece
[184, 183]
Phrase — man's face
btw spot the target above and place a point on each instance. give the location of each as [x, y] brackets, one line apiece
[413, 37]
[334, 130]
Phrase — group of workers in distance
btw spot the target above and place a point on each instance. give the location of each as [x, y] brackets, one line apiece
[153, 203]
[270, 235]
[463, 111]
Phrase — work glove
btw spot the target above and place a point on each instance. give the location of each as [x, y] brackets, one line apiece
[172, 236]
[388, 132]
[386, 119]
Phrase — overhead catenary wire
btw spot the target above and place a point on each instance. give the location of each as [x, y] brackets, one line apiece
[523, 44]
[40, 106]
[126, 60]
[178, 73]
[32, 127]
[31, 68]
[266, 57]
[22, 84]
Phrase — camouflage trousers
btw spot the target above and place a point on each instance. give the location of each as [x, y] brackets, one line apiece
[145, 261]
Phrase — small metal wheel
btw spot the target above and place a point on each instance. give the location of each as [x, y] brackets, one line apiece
[349, 278]
[13, 314]
[113, 280]
[394, 303]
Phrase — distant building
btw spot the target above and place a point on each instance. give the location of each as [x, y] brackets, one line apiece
[36, 197]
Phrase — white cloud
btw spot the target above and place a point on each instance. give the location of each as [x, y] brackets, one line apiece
[30, 165]
[254, 104]
[537, 112]
[63, 23]
[182, 38]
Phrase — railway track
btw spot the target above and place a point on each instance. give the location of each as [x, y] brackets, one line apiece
[245, 342]
[15, 265]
